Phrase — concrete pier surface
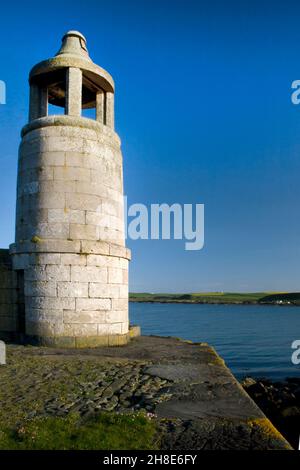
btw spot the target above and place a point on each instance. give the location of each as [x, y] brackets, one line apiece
[196, 400]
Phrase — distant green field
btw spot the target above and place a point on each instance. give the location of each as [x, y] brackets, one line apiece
[220, 297]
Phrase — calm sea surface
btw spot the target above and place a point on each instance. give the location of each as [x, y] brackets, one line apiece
[253, 340]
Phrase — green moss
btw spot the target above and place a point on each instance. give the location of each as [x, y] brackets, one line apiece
[36, 239]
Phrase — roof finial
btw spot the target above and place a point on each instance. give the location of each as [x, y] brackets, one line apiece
[74, 44]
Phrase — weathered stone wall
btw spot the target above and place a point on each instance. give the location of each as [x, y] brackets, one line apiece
[75, 295]
[8, 297]
[70, 232]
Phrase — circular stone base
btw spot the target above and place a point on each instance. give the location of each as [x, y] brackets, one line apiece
[84, 341]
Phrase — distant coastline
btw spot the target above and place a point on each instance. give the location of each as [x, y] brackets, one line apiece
[230, 298]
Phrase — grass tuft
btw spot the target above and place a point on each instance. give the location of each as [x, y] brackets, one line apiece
[105, 431]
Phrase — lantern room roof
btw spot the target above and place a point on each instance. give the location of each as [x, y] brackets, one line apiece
[50, 73]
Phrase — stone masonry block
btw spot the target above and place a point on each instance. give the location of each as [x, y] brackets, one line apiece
[40, 289]
[80, 329]
[88, 274]
[69, 173]
[36, 174]
[119, 304]
[117, 250]
[108, 261]
[35, 273]
[97, 260]
[82, 202]
[77, 159]
[110, 235]
[94, 218]
[47, 246]
[123, 291]
[51, 303]
[125, 276]
[86, 187]
[56, 230]
[45, 159]
[72, 289]
[93, 304]
[64, 144]
[115, 276]
[98, 290]
[125, 327]
[73, 259]
[91, 341]
[117, 340]
[44, 328]
[58, 273]
[94, 247]
[47, 201]
[58, 186]
[115, 329]
[110, 207]
[45, 258]
[87, 316]
[86, 232]
[116, 316]
[66, 215]
[103, 329]
[44, 315]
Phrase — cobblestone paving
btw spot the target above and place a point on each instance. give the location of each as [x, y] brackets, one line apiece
[56, 385]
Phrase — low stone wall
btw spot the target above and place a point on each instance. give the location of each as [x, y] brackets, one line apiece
[8, 297]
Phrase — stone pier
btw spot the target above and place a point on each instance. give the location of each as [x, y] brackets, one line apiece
[186, 387]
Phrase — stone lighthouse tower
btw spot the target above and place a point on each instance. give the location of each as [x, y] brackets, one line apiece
[69, 251]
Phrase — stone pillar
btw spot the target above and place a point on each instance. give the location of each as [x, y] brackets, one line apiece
[110, 112]
[38, 102]
[74, 92]
[33, 102]
[100, 101]
[43, 102]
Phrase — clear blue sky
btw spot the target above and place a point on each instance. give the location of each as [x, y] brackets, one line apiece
[204, 112]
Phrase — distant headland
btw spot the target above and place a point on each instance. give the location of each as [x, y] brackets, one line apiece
[257, 298]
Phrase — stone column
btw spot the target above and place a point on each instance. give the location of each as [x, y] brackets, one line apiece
[33, 102]
[43, 102]
[38, 106]
[100, 106]
[74, 92]
[110, 112]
